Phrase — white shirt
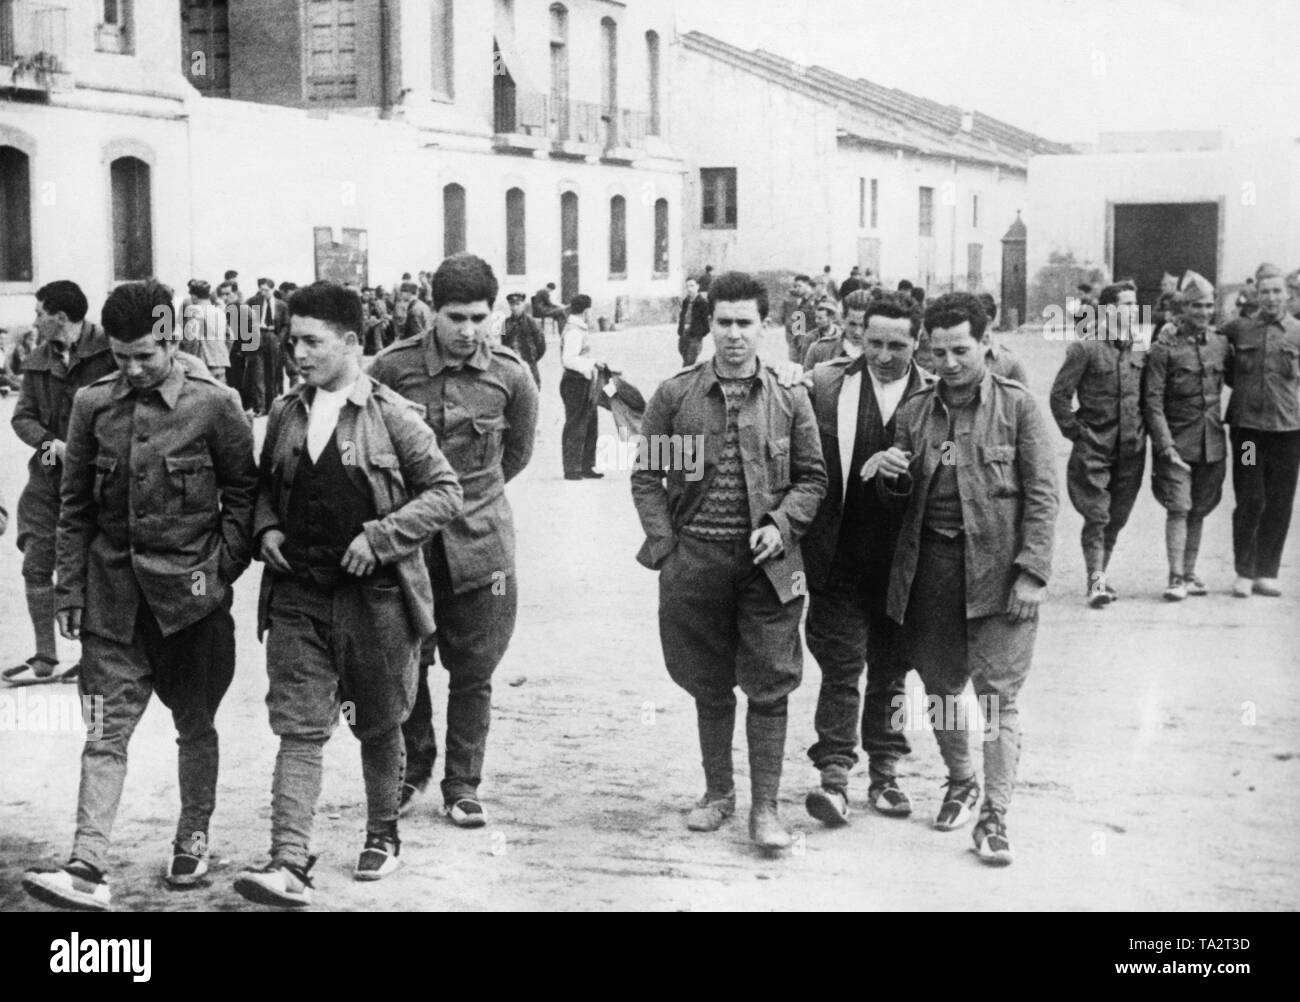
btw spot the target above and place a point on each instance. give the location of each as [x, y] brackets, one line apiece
[323, 418]
[888, 395]
[575, 352]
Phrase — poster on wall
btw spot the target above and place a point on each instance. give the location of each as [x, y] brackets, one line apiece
[346, 261]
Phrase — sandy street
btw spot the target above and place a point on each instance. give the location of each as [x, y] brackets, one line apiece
[1160, 769]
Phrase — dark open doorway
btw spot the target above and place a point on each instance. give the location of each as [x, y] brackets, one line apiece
[1157, 237]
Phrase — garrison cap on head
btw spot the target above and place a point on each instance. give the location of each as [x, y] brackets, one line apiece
[515, 297]
[1194, 288]
[1267, 270]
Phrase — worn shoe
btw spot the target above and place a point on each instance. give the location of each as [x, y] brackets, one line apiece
[466, 813]
[1114, 595]
[886, 798]
[829, 805]
[409, 795]
[1266, 587]
[1176, 590]
[592, 475]
[75, 885]
[573, 476]
[186, 868]
[379, 857]
[765, 828]
[711, 811]
[277, 884]
[1098, 596]
[1243, 587]
[991, 841]
[958, 803]
[1195, 586]
[36, 670]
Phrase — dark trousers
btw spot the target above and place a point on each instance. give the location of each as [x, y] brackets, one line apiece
[991, 652]
[1103, 489]
[722, 625]
[578, 443]
[846, 627]
[1265, 492]
[190, 671]
[689, 348]
[346, 651]
[474, 630]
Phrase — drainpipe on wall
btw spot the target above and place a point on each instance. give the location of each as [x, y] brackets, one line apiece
[952, 243]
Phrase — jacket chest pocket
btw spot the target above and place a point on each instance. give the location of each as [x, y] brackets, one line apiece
[389, 470]
[105, 466]
[488, 431]
[1185, 381]
[1245, 358]
[998, 466]
[1285, 361]
[778, 463]
[193, 480]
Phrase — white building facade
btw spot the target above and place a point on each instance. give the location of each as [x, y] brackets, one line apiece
[353, 139]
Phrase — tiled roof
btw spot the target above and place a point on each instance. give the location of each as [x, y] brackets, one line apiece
[887, 116]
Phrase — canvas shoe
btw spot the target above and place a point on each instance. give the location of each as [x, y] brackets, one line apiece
[379, 856]
[466, 813]
[1266, 587]
[1243, 587]
[958, 803]
[76, 885]
[1098, 595]
[186, 868]
[829, 805]
[1176, 591]
[277, 884]
[991, 842]
[1195, 586]
[886, 798]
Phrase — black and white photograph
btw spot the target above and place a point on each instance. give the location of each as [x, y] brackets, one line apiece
[650, 456]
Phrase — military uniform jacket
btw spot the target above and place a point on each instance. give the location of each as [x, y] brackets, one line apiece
[484, 414]
[1107, 378]
[157, 502]
[45, 402]
[1264, 373]
[394, 456]
[1182, 393]
[1006, 476]
[785, 475]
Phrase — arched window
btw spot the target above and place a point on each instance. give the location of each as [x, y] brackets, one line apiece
[453, 220]
[618, 237]
[661, 237]
[132, 219]
[15, 216]
[609, 78]
[652, 64]
[516, 242]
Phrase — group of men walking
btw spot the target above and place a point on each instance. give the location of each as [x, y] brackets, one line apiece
[918, 513]
[378, 507]
[913, 504]
[1111, 395]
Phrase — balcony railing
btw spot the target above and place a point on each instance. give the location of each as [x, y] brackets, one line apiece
[522, 113]
[31, 30]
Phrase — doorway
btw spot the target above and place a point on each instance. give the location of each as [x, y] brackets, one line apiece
[1152, 238]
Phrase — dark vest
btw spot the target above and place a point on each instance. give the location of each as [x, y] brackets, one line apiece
[868, 531]
[327, 509]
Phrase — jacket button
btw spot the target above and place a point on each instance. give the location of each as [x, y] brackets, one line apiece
[142, 437]
[140, 477]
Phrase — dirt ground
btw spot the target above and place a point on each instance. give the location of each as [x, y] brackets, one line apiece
[1160, 768]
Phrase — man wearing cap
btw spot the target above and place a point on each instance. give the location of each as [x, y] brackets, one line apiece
[1109, 434]
[523, 335]
[1181, 394]
[999, 359]
[692, 323]
[1264, 414]
[827, 338]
